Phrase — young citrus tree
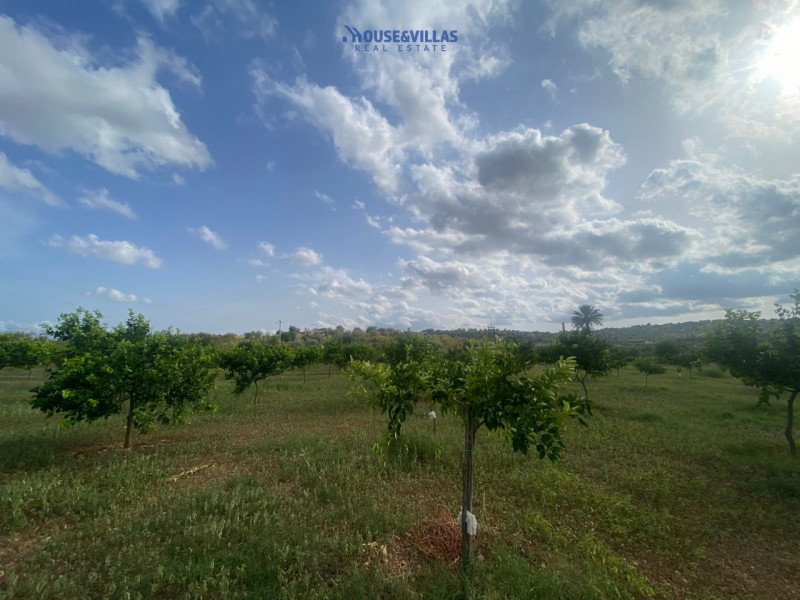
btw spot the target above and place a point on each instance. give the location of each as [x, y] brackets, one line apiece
[485, 385]
[159, 375]
[251, 361]
[305, 356]
[649, 366]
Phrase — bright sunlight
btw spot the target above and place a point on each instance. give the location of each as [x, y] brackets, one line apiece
[781, 58]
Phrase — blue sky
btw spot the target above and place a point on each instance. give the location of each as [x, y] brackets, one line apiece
[219, 165]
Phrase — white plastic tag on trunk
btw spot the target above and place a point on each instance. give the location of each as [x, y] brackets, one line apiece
[472, 523]
[432, 415]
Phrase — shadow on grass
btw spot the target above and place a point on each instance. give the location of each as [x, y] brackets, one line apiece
[773, 470]
[31, 452]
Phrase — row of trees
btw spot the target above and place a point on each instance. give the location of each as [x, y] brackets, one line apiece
[23, 351]
[80, 346]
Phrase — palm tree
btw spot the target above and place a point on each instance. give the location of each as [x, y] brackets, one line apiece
[585, 317]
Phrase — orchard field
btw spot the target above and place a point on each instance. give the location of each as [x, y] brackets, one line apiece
[683, 489]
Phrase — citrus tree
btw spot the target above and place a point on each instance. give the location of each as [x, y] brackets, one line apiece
[252, 361]
[769, 361]
[485, 385]
[158, 375]
[593, 355]
[649, 366]
[303, 357]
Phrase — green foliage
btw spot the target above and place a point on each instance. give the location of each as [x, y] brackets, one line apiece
[252, 360]
[593, 355]
[395, 388]
[619, 358]
[339, 354]
[160, 375]
[488, 385]
[407, 346]
[666, 351]
[25, 352]
[649, 366]
[303, 357]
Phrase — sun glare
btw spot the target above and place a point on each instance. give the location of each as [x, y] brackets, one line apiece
[781, 58]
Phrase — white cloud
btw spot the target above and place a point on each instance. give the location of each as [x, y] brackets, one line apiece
[178, 179]
[518, 225]
[162, 9]
[746, 221]
[421, 89]
[550, 87]
[118, 296]
[209, 236]
[324, 198]
[267, 248]
[306, 257]
[361, 135]
[19, 179]
[102, 200]
[707, 53]
[122, 252]
[117, 114]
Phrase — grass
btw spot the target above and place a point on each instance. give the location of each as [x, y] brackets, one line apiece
[681, 490]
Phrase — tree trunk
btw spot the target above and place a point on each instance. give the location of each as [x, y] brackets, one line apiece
[583, 384]
[304, 374]
[255, 398]
[129, 425]
[466, 489]
[790, 423]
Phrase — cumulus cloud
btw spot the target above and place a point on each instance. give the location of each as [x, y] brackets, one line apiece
[361, 135]
[102, 200]
[18, 179]
[519, 191]
[422, 90]
[747, 221]
[122, 252]
[118, 296]
[305, 256]
[117, 114]
[266, 248]
[209, 236]
[519, 225]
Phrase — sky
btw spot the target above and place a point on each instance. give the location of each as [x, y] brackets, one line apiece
[222, 165]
